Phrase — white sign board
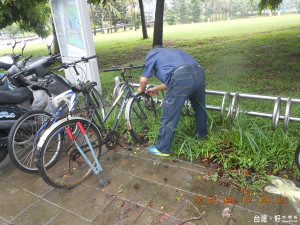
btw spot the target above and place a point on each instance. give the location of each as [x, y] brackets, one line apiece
[74, 33]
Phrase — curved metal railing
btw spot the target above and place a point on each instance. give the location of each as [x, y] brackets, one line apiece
[231, 110]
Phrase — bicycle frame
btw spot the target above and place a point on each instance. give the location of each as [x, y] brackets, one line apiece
[70, 98]
[128, 94]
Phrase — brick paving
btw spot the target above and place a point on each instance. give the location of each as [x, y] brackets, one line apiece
[143, 189]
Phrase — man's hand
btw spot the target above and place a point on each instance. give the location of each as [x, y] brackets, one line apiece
[151, 91]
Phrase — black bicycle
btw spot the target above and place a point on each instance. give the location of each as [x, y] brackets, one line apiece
[81, 138]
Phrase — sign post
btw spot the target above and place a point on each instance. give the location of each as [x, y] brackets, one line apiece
[74, 34]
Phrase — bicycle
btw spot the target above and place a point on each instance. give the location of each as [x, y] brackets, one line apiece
[25, 133]
[71, 166]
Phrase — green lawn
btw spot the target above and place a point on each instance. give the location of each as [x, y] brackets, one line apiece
[257, 55]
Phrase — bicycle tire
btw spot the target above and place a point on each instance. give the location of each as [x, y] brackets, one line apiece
[297, 157]
[69, 168]
[22, 141]
[97, 100]
[3, 145]
[3, 153]
[139, 119]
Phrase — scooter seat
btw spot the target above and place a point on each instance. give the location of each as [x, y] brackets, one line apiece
[4, 88]
[15, 96]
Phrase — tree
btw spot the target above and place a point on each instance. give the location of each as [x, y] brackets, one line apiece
[99, 13]
[170, 17]
[110, 9]
[158, 23]
[144, 27]
[32, 16]
[131, 11]
[182, 11]
[196, 11]
[269, 4]
[93, 19]
[13, 30]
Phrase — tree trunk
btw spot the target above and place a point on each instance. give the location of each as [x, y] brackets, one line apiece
[230, 10]
[144, 27]
[134, 22]
[93, 18]
[55, 40]
[109, 16]
[158, 24]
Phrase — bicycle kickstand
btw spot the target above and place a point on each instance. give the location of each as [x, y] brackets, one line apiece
[102, 178]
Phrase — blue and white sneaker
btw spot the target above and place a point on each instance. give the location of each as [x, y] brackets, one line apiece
[153, 150]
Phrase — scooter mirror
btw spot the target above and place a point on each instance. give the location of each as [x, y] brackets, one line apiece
[6, 60]
[49, 42]
[13, 45]
[22, 46]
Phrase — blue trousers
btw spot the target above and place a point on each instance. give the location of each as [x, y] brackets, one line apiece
[188, 82]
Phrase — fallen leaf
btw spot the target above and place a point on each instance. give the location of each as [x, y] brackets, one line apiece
[128, 210]
[178, 198]
[122, 203]
[136, 186]
[226, 213]
[166, 166]
[93, 201]
[245, 191]
[181, 194]
[166, 179]
[150, 204]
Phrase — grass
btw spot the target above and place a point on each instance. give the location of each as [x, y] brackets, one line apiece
[256, 55]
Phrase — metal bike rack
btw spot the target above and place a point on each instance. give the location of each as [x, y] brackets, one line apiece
[233, 108]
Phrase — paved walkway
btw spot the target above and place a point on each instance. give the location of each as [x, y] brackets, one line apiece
[144, 189]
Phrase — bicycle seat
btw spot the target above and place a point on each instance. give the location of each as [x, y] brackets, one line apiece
[15, 96]
[88, 85]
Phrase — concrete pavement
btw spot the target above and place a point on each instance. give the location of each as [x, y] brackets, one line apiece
[143, 189]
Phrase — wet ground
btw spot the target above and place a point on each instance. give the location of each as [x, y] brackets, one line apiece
[143, 189]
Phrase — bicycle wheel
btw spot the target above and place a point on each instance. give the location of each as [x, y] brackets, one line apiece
[297, 157]
[97, 100]
[3, 145]
[139, 116]
[3, 153]
[23, 138]
[69, 167]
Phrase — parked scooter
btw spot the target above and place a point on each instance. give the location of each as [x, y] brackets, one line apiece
[34, 84]
[7, 61]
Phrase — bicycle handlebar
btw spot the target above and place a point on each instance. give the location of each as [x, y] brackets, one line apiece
[67, 65]
[27, 58]
[116, 68]
[55, 56]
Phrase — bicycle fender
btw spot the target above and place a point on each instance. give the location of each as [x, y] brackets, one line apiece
[50, 129]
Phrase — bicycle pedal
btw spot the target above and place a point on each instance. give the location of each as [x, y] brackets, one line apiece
[127, 148]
